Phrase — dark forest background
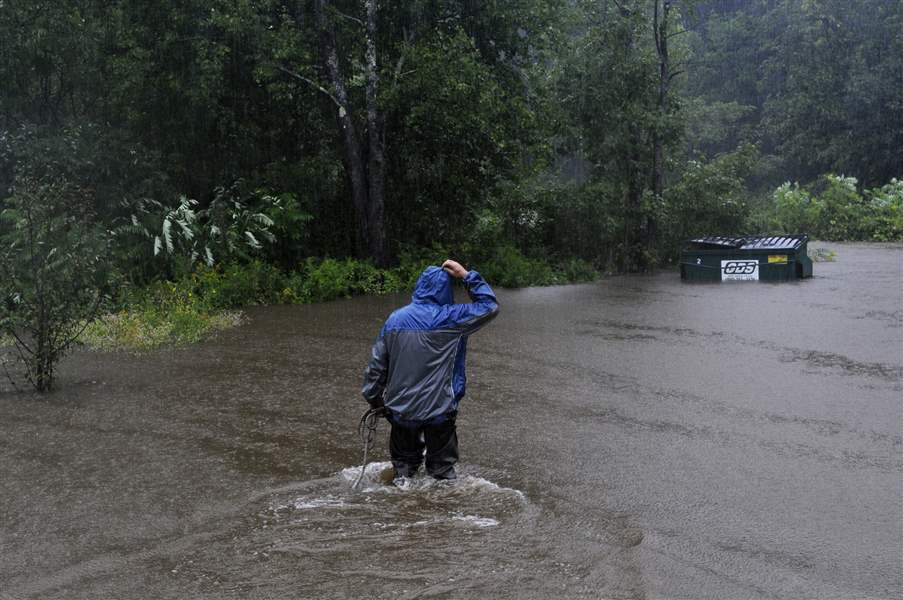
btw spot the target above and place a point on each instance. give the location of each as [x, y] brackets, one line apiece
[607, 130]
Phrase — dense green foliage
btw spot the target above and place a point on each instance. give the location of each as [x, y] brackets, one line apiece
[227, 146]
[486, 109]
[834, 209]
[816, 84]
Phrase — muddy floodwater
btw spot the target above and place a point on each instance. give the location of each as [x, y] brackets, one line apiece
[633, 438]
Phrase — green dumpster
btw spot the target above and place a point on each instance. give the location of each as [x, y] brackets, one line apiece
[767, 258]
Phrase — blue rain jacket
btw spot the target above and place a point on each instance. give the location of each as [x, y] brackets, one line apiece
[417, 363]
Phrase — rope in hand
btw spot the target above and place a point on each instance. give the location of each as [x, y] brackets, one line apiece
[366, 430]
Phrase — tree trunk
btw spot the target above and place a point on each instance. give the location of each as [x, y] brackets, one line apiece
[367, 188]
[636, 185]
[375, 154]
[660, 30]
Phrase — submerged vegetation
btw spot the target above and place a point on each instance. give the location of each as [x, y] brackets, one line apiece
[822, 255]
[222, 153]
[161, 314]
[207, 300]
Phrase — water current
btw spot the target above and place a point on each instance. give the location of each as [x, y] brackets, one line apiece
[636, 438]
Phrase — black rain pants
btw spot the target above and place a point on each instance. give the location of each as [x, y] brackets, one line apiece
[406, 446]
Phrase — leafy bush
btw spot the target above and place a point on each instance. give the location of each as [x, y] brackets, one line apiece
[796, 211]
[330, 279]
[885, 220]
[236, 285]
[509, 268]
[53, 272]
[843, 212]
[833, 209]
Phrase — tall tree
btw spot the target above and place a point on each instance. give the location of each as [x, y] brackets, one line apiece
[660, 34]
[363, 157]
[618, 86]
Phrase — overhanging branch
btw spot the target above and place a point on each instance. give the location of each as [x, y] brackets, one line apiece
[349, 17]
[310, 82]
[677, 33]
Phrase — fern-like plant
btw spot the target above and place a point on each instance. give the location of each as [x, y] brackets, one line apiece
[158, 238]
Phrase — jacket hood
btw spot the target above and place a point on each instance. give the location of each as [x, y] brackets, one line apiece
[434, 286]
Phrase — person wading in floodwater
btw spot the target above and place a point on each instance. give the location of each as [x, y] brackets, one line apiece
[416, 368]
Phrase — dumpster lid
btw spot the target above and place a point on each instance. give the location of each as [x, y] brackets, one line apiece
[775, 242]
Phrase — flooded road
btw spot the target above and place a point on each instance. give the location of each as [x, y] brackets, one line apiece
[636, 438]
